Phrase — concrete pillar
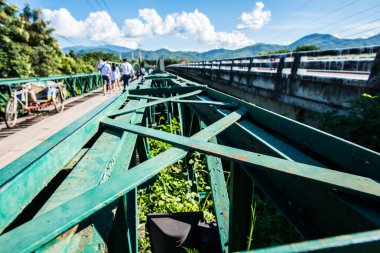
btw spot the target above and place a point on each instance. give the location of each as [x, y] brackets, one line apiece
[231, 73]
[249, 74]
[374, 76]
[296, 64]
[280, 67]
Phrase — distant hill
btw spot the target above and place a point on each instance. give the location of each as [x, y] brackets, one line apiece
[105, 48]
[324, 41]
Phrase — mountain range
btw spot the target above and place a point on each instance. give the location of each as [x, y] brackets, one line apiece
[324, 41]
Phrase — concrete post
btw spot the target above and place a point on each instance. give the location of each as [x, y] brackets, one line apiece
[374, 76]
[280, 67]
[231, 69]
[212, 63]
[249, 74]
[296, 65]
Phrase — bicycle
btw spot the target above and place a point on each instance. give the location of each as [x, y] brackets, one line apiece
[25, 100]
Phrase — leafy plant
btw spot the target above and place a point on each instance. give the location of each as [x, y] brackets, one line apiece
[253, 220]
[173, 190]
[307, 48]
[271, 227]
[361, 125]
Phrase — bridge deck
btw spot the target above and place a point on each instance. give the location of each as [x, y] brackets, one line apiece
[24, 139]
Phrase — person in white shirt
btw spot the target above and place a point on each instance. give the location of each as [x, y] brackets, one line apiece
[105, 70]
[115, 77]
[128, 73]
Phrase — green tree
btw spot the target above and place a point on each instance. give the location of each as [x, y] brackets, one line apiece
[361, 125]
[307, 48]
[28, 48]
[14, 54]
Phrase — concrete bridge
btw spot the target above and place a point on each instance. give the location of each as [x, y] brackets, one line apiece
[293, 84]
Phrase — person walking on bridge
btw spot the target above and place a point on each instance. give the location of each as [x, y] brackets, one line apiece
[115, 77]
[127, 73]
[105, 70]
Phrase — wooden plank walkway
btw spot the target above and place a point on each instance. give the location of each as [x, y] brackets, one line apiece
[34, 133]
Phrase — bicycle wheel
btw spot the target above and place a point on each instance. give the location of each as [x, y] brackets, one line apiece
[58, 101]
[11, 112]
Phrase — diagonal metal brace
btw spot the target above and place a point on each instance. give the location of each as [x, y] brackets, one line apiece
[125, 111]
[345, 181]
[37, 232]
[176, 100]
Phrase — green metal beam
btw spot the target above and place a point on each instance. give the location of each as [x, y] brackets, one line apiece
[144, 97]
[35, 233]
[216, 103]
[344, 181]
[219, 196]
[124, 111]
[101, 159]
[36, 168]
[166, 90]
[351, 157]
[368, 242]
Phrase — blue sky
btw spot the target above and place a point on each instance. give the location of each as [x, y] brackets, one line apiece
[198, 25]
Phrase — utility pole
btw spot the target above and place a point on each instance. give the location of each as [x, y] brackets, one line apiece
[140, 57]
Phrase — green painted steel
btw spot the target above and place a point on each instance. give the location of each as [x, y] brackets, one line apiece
[345, 181]
[220, 197]
[35, 169]
[101, 159]
[359, 242]
[37, 232]
[324, 189]
[124, 111]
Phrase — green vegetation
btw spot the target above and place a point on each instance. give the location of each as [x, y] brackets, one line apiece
[27, 47]
[361, 125]
[298, 49]
[270, 225]
[176, 188]
[280, 51]
[307, 48]
[253, 220]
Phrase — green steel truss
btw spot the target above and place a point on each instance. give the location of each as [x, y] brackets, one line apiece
[326, 187]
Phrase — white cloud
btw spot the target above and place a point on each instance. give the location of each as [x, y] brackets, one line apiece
[286, 42]
[98, 27]
[255, 19]
[186, 25]
[63, 22]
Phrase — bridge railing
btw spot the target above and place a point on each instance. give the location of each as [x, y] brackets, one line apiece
[353, 63]
[75, 85]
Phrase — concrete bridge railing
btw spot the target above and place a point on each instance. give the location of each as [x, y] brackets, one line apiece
[314, 81]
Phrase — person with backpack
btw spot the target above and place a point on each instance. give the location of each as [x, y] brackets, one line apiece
[105, 70]
[127, 73]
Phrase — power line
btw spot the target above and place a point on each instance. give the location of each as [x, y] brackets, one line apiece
[111, 13]
[104, 6]
[294, 10]
[365, 31]
[98, 3]
[358, 13]
[316, 20]
[67, 39]
[338, 9]
[361, 25]
[92, 7]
